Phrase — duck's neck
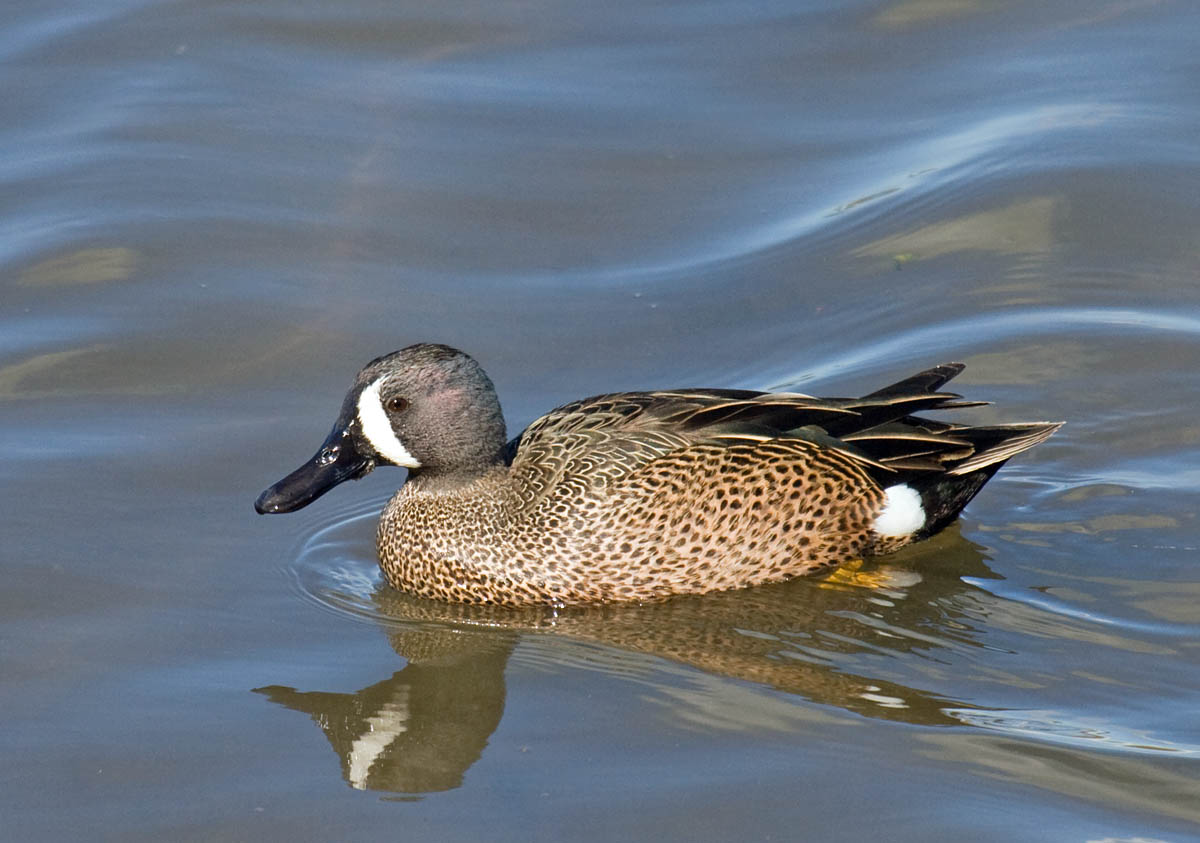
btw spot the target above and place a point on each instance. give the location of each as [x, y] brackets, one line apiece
[446, 481]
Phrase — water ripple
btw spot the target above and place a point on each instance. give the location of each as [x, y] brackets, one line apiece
[334, 565]
[1072, 729]
[1058, 608]
[950, 335]
[925, 166]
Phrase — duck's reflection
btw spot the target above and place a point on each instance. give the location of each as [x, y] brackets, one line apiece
[420, 729]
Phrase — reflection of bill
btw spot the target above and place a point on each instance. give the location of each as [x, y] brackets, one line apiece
[419, 730]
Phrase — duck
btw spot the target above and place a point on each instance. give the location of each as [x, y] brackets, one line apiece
[643, 496]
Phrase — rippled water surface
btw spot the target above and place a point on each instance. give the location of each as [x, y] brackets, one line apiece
[211, 214]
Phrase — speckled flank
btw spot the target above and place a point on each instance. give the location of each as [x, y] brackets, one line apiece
[641, 496]
[701, 518]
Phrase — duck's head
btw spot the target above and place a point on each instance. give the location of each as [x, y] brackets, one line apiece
[428, 408]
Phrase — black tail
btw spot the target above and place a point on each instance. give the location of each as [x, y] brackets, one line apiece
[930, 380]
[947, 464]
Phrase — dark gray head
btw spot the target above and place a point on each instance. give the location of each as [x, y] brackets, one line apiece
[428, 408]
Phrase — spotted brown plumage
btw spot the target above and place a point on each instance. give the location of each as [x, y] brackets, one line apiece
[644, 495]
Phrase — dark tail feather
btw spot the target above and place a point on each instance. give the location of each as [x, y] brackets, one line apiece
[930, 380]
[915, 394]
[944, 495]
[996, 444]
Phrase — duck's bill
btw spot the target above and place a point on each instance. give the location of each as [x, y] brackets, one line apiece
[337, 460]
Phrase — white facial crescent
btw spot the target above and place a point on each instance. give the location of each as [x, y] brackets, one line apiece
[378, 428]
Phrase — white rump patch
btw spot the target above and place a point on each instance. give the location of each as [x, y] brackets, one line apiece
[902, 513]
[377, 427]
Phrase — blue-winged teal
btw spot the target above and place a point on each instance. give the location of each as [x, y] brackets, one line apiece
[643, 495]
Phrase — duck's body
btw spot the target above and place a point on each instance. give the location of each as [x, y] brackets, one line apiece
[641, 496]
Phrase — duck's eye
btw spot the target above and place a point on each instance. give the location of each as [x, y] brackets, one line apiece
[396, 404]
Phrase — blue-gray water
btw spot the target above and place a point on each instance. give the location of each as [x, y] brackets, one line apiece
[211, 214]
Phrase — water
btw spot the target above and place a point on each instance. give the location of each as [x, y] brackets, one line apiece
[212, 214]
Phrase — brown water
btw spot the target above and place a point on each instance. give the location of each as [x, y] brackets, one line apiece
[211, 214]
